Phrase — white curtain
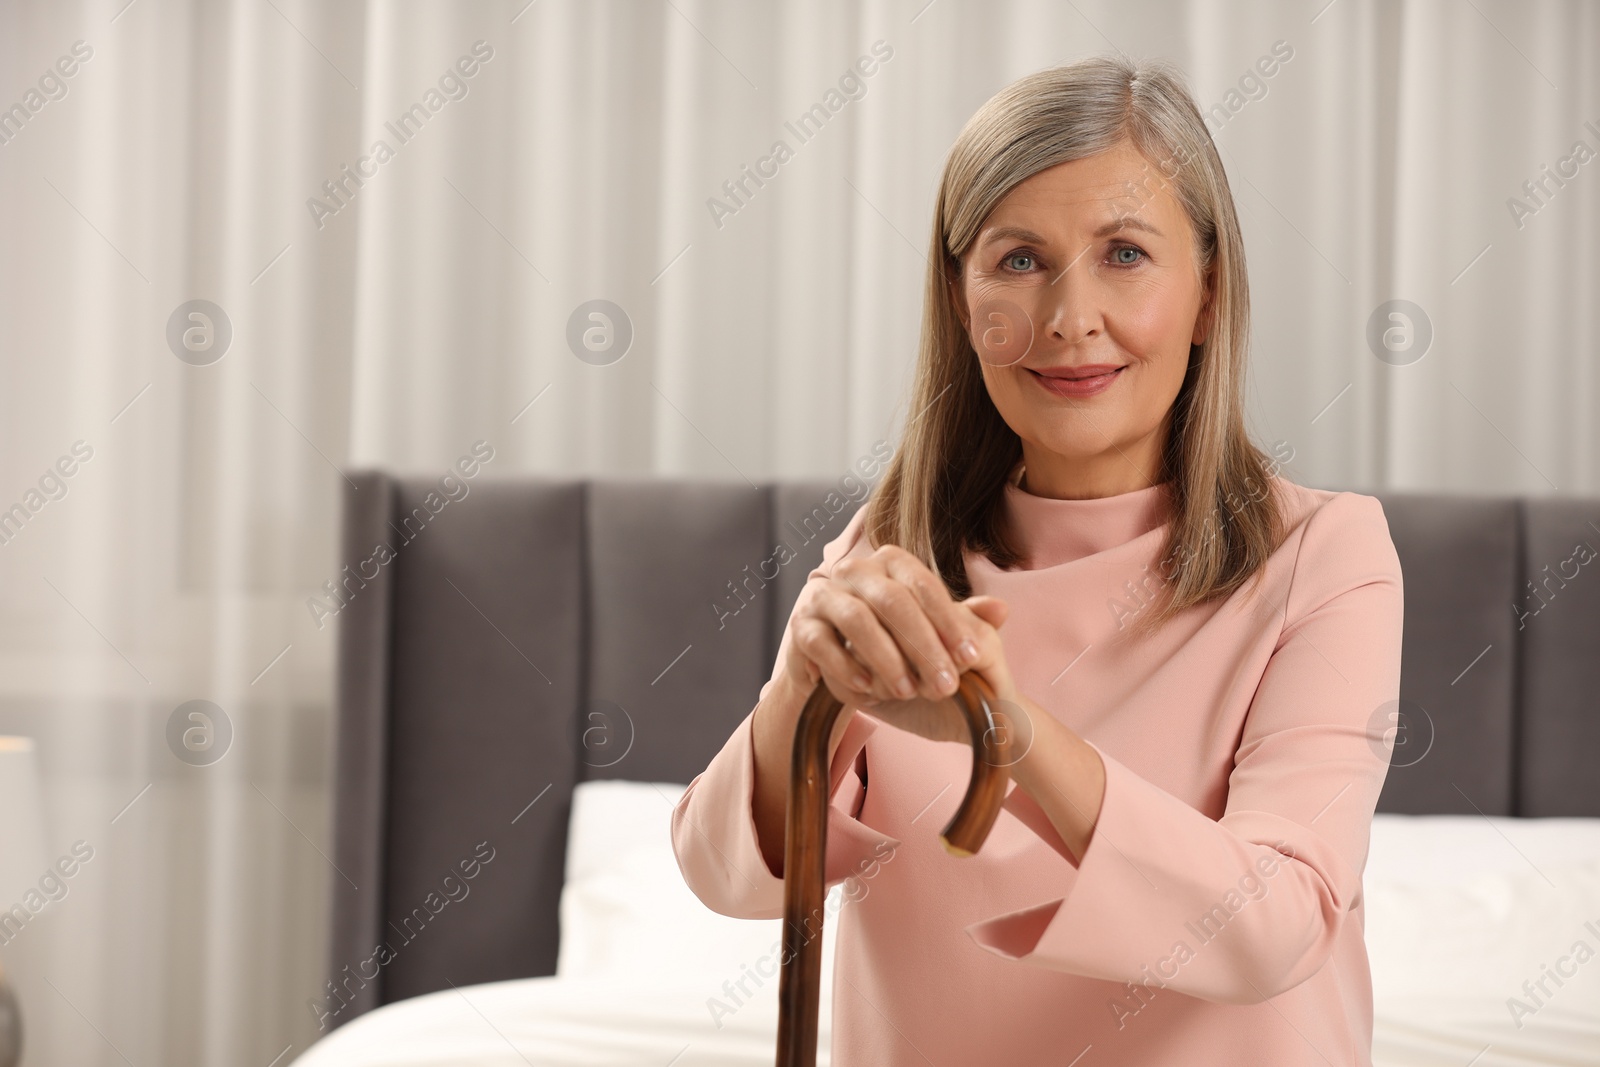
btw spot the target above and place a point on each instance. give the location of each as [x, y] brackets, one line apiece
[428, 307]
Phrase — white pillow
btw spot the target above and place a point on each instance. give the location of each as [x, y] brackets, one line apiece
[626, 911]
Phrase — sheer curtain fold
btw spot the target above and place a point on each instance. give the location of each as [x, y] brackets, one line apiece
[392, 306]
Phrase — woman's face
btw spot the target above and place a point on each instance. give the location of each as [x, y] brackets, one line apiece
[1081, 296]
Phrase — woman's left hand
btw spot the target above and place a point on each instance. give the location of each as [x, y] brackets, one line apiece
[1061, 772]
[942, 720]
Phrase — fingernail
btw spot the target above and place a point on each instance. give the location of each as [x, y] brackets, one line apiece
[967, 650]
[863, 683]
[906, 688]
[947, 681]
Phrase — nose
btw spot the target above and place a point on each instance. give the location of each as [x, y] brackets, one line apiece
[1070, 308]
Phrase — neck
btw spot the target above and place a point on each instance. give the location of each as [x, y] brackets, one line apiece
[1058, 477]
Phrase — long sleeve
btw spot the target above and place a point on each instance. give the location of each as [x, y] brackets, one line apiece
[1244, 907]
[713, 824]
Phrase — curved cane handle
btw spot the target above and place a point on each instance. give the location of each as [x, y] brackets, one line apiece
[805, 845]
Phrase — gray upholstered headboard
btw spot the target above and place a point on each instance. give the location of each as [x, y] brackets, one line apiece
[534, 634]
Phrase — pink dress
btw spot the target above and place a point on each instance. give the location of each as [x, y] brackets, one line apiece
[1216, 918]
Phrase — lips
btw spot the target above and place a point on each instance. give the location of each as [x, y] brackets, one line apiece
[1086, 380]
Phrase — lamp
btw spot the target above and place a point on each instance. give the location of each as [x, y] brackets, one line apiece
[22, 864]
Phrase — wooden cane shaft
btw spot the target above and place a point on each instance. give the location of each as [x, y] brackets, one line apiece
[805, 845]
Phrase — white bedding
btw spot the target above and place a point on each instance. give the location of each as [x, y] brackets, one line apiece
[1461, 911]
[558, 1022]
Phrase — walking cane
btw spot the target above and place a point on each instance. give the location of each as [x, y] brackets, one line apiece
[805, 845]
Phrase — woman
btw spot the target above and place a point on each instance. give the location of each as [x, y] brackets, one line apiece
[1193, 646]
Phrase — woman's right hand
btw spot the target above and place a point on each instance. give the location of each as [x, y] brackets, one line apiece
[884, 629]
[878, 622]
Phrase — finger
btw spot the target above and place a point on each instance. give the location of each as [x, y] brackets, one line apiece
[991, 663]
[958, 636]
[816, 639]
[859, 623]
[931, 672]
[991, 610]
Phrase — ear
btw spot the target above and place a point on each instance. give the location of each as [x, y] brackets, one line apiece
[1206, 318]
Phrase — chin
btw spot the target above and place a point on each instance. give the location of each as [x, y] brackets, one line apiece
[1082, 429]
[1087, 434]
[1083, 447]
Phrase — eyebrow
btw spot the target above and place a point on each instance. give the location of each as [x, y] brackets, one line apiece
[1018, 233]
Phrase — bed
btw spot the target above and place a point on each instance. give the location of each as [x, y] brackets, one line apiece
[537, 668]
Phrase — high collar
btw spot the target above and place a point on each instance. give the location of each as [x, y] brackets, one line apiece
[1049, 532]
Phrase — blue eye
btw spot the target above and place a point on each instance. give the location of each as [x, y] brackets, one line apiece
[1019, 255]
[1123, 261]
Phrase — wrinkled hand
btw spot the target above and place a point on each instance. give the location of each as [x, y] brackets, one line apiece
[885, 636]
[940, 719]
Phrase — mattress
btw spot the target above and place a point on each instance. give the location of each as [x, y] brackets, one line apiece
[1483, 935]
